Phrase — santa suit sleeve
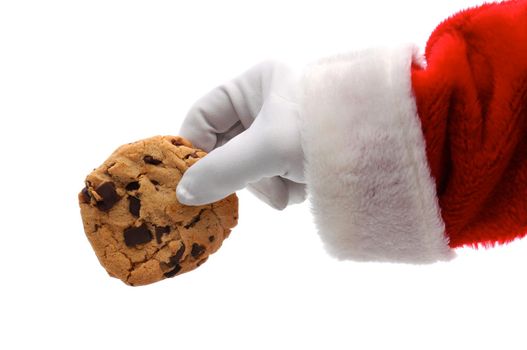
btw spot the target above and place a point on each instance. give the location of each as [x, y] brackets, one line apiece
[409, 156]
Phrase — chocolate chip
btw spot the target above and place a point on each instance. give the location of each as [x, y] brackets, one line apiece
[108, 194]
[197, 250]
[137, 235]
[134, 206]
[151, 160]
[160, 231]
[176, 142]
[193, 155]
[173, 272]
[176, 258]
[211, 238]
[132, 186]
[85, 195]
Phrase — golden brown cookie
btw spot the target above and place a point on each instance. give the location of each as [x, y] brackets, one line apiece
[134, 222]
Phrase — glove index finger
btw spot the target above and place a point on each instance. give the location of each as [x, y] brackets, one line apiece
[211, 115]
[235, 102]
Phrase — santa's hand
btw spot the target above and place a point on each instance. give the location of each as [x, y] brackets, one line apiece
[250, 127]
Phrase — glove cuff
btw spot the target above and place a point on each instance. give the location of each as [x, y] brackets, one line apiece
[367, 175]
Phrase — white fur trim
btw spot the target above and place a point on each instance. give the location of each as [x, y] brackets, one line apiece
[367, 175]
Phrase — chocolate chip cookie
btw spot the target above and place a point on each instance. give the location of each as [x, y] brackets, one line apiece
[134, 222]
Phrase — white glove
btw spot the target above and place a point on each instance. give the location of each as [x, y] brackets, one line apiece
[250, 127]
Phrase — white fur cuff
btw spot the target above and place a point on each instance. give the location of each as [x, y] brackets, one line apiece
[370, 186]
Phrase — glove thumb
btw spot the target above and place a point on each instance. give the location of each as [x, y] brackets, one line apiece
[226, 169]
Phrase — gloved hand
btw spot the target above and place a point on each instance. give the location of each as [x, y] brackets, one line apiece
[250, 127]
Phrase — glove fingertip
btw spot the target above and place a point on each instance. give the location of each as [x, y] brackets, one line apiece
[184, 196]
[188, 196]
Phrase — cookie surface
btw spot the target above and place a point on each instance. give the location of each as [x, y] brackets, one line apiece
[139, 231]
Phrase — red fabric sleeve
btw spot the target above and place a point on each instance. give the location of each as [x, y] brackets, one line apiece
[472, 102]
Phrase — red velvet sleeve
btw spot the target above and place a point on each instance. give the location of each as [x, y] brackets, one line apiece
[472, 102]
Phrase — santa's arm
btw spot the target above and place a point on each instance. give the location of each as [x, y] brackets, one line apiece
[409, 156]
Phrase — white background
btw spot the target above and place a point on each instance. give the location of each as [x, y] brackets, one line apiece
[79, 78]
